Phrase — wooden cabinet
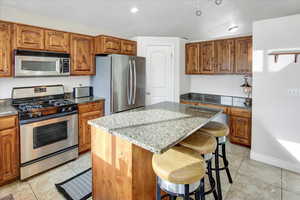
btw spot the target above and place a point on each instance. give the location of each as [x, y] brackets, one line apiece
[82, 55]
[228, 56]
[243, 55]
[88, 112]
[207, 58]
[112, 45]
[9, 149]
[28, 37]
[240, 126]
[225, 56]
[192, 58]
[5, 49]
[128, 47]
[57, 41]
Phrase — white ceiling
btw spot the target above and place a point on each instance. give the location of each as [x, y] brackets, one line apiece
[160, 17]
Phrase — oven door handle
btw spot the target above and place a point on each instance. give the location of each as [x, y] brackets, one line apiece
[35, 122]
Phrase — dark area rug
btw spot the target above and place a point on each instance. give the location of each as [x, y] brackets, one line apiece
[78, 187]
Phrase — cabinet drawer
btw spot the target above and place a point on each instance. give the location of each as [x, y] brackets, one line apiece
[8, 122]
[240, 112]
[241, 141]
[89, 107]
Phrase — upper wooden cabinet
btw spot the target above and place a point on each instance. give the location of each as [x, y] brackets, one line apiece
[207, 62]
[225, 56]
[5, 49]
[192, 58]
[112, 45]
[57, 41]
[128, 47]
[228, 56]
[243, 55]
[28, 37]
[82, 55]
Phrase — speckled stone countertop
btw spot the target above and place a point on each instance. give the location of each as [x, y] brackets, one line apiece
[85, 99]
[6, 109]
[157, 127]
[231, 101]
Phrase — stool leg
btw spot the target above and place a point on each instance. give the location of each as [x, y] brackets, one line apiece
[217, 166]
[173, 198]
[226, 163]
[202, 189]
[158, 195]
[186, 192]
[211, 180]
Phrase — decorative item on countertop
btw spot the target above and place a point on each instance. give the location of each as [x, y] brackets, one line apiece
[247, 89]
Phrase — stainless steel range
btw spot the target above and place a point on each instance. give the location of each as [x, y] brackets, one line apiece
[48, 128]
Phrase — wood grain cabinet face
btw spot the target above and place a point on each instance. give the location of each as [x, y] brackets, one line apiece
[57, 41]
[9, 152]
[82, 55]
[207, 58]
[225, 51]
[5, 50]
[88, 112]
[111, 45]
[240, 130]
[28, 37]
[128, 47]
[243, 55]
[192, 58]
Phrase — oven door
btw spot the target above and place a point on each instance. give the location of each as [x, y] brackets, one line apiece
[37, 66]
[42, 138]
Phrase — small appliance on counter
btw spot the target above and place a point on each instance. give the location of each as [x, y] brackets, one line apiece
[79, 92]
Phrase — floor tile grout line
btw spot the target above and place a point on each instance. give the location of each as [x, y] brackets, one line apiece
[33, 191]
[281, 185]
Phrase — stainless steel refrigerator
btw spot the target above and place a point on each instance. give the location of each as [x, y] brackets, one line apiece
[121, 80]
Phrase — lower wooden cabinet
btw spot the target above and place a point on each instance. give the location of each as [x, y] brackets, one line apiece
[9, 151]
[88, 112]
[239, 122]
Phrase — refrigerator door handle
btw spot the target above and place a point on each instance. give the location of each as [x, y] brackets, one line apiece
[129, 84]
[134, 81]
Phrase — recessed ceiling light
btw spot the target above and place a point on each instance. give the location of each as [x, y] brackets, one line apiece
[134, 10]
[233, 29]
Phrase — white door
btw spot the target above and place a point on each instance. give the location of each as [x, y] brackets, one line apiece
[159, 73]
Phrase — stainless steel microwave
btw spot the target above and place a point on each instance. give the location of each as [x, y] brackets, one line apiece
[35, 63]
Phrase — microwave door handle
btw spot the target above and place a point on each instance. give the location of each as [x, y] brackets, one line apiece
[60, 66]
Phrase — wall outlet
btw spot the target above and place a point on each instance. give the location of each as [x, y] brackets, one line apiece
[295, 92]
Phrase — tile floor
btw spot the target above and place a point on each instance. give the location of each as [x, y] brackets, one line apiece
[252, 180]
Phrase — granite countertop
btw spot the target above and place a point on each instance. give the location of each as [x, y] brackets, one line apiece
[157, 127]
[222, 100]
[85, 99]
[6, 109]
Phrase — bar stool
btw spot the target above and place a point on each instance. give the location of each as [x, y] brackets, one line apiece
[179, 171]
[205, 145]
[219, 131]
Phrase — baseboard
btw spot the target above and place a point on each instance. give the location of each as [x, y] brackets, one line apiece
[275, 162]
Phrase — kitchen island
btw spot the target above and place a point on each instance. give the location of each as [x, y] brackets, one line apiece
[123, 145]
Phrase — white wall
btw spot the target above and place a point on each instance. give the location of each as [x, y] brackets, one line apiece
[217, 84]
[275, 125]
[6, 84]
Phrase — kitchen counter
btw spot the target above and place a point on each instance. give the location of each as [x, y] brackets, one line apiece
[221, 100]
[85, 99]
[123, 145]
[158, 127]
[6, 109]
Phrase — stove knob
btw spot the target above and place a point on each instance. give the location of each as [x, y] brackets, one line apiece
[63, 110]
[70, 108]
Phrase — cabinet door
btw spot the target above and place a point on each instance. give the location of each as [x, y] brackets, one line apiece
[224, 55]
[243, 55]
[240, 130]
[82, 55]
[192, 58]
[111, 45]
[5, 50]
[57, 41]
[9, 155]
[207, 58]
[128, 47]
[85, 129]
[28, 37]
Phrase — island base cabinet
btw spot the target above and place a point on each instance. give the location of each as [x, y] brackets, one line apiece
[121, 170]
